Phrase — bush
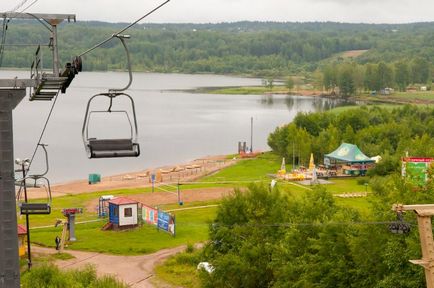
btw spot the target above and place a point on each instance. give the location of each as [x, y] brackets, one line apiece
[49, 275]
[190, 248]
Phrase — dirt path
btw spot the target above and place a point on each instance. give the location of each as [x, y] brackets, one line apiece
[136, 271]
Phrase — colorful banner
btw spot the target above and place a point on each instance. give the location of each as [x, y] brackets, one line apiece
[149, 215]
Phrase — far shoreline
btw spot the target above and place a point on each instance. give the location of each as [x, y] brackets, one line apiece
[399, 98]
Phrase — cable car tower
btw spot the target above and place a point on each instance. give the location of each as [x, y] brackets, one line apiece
[43, 86]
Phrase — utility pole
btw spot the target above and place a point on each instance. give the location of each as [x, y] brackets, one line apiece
[424, 214]
[24, 169]
[251, 134]
[12, 91]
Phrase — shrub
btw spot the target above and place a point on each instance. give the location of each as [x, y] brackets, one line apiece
[48, 275]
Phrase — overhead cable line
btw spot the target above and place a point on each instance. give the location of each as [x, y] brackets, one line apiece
[21, 4]
[124, 29]
[292, 225]
[30, 5]
[313, 224]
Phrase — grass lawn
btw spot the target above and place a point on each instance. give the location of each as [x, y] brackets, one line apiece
[191, 227]
[347, 185]
[248, 170]
[420, 95]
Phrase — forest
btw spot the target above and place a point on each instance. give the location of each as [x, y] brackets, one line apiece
[349, 78]
[249, 48]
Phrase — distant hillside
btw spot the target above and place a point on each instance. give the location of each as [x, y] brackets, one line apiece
[239, 48]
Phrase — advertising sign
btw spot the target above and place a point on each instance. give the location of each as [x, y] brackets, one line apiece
[166, 222]
[416, 169]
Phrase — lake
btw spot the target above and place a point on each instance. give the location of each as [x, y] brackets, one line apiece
[175, 125]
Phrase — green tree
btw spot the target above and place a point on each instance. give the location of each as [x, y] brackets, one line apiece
[372, 78]
[346, 81]
[289, 83]
[385, 75]
[402, 75]
[330, 78]
[243, 237]
[420, 71]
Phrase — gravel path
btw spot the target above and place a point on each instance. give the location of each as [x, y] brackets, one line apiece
[136, 271]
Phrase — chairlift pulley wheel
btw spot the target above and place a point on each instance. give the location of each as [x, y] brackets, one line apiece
[400, 226]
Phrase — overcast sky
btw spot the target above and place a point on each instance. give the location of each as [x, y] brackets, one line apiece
[212, 11]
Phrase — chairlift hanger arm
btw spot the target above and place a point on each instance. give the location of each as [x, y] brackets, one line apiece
[130, 73]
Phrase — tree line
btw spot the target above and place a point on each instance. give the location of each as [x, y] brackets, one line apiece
[388, 132]
[258, 48]
[352, 78]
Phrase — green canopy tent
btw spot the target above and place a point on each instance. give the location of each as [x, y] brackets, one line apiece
[349, 155]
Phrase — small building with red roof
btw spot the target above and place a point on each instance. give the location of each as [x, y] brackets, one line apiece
[123, 212]
[22, 243]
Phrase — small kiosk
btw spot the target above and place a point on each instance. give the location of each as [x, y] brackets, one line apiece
[123, 213]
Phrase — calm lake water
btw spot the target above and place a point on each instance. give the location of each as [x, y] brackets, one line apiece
[175, 126]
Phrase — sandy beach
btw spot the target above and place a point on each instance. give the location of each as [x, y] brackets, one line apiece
[183, 172]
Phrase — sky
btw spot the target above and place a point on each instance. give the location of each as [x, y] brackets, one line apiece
[215, 11]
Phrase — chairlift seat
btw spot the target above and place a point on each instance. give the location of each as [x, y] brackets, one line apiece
[35, 208]
[112, 148]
